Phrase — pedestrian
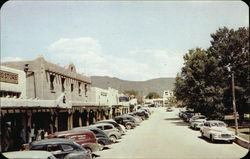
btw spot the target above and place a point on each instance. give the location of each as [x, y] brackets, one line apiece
[7, 137]
[29, 139]
[42, 134]
[32, 132]
[22, 137]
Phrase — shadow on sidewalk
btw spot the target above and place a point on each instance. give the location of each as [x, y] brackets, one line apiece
[215, 142]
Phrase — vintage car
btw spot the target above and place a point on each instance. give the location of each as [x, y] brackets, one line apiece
[217, 130]
[129, 124]
[187, 115]
[85, 138]
[61, 148]
[113, 122]
[197, 124]
[109, 129]
[169, 109]
[196, 117]
[101, 137]
[132, 118]
[29, 154]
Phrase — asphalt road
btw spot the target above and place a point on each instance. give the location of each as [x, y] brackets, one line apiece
[165, 136]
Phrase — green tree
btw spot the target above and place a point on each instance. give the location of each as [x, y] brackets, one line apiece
[204, 83]
[131, 93]
[152, 95]
[231, 48]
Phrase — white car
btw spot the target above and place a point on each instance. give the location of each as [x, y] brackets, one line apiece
[196, 117]
[29, 154]
[217, 130]
[197, 124]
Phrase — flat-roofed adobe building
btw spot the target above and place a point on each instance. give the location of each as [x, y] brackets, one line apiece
[69, 90]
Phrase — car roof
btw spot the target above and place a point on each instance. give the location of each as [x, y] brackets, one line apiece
[51, 141]
[215, 121]
[28, 154]
[101, 124]
[70, 132]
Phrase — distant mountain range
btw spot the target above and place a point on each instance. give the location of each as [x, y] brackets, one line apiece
[143, 87]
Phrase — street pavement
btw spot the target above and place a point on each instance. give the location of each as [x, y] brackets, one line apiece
[165, 136]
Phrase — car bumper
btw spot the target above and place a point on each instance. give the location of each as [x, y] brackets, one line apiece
[93, 146]
[224, 138]
[106, 141]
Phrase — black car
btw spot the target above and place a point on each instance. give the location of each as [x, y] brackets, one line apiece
[61, 148]
[187, 115]
[128, 123]
[101, 137]
[142, 113]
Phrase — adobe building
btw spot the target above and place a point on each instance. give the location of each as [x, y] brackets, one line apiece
[111, 98]
[67, 92]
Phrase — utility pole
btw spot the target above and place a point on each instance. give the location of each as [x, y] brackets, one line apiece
[234, 105]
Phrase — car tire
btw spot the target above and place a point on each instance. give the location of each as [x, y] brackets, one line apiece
[88, 150]
[128, 126]
[202, 134]
[211, 138]
[112, 138]
[101, 146]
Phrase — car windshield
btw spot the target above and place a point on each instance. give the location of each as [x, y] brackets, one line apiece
[218, 124]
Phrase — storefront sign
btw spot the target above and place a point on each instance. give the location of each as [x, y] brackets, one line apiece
[8, 77]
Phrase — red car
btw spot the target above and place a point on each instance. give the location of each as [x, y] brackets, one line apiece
[85, 138]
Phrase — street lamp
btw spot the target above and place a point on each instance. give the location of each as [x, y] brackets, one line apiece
[234, 104]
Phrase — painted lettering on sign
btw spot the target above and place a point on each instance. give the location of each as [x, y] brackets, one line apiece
[8, 77]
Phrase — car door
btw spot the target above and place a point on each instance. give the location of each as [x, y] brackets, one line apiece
[56, 150]
[207, 128]
[67, 149]
[110, 130]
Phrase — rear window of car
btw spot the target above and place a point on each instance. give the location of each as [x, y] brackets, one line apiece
[100, 127]
[38, 147]
[54, 148]
[107, 127]
[67, 147]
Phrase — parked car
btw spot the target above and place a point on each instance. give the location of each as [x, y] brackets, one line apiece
[29, 154]
[196, 117]
[132, 118]
[101, 137]
[181, 112]
[187, 115]
[85, 138]
[113, 122]
[61, 148]
[169, 109]
[197, 124]
[109, 129]
[143, 114]
[217, 130]
[128, 124]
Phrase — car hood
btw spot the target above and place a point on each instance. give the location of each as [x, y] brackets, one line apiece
[220, 129]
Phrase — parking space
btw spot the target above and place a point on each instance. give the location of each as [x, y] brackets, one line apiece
[164, 135]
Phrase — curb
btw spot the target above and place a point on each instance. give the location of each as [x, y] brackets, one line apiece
[242, 142]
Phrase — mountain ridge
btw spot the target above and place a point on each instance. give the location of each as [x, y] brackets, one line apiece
[157, 85]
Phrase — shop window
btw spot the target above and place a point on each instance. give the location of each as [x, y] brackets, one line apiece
[79, 88]
[62, 83]
[51, 77]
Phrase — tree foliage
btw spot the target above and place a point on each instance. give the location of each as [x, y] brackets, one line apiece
[152, 95]
[204, 83]
[131, 93]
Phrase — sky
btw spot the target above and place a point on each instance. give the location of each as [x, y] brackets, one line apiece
[130, 40]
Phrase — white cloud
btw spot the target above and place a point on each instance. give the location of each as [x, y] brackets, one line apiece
[9, 58]
[138, 64]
